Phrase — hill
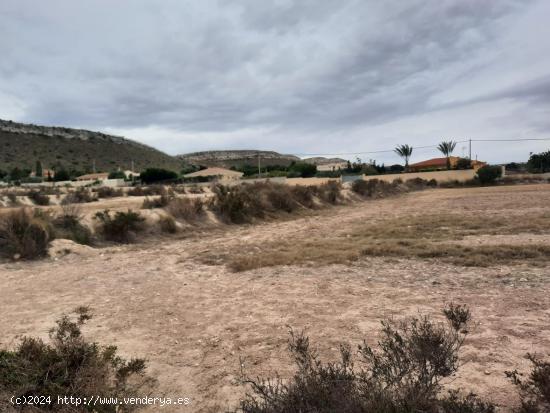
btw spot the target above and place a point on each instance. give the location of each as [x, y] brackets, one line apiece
[75, 149]
[323, 161]
[227, 159]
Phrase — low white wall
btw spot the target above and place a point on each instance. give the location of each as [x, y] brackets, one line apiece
[461, 175]
[77, 184]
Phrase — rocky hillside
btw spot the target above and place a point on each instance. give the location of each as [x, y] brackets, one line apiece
[227, 159]
[323, 161]
[21, 145]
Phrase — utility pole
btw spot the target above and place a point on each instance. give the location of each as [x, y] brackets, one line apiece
[470, 156]
[94, 166]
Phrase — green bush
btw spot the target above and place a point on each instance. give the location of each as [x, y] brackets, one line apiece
[301, 170]
[122, 227]
[488, 174]
[463, 163]
[237, 204]
[69, 366]
[153, 175]
[24, 234]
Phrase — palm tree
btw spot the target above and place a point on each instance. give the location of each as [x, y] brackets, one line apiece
[447, 148]
[404, 151]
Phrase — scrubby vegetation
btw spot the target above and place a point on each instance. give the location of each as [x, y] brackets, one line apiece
[108, 192]
[39, 198]
[80, 196]
[147, 190]
[168, 224]
[403, 373]
[153, 175]
[24, 235]
[69, 365]
[243, 203]
[488, 174]
[121, 227]
[159, 202]
[535, 390]
[187, 209]
[67, 225]
[330, 192]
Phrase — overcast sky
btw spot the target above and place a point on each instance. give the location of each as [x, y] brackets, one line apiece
[295, 76]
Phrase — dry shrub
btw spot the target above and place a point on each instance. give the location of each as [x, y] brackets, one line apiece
[69, 365]
[237, 204]
[330, 192]
[280, 197]
[147, 190]
[12, 197]
[195, 189]
[39, 198]
[121, 227]
[416, 184]
[80, 196]
[168, 224]
[159, 202]
[24, 234]
[304, 195]
[108, 192]
[402, 374]
[67, 225]
[534, 391]
[188, 209]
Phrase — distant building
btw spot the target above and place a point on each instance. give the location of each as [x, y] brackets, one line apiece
[436, 164]
[220, 173]
[45, 173]
[131, 174]
[93, 177]
[335, 166]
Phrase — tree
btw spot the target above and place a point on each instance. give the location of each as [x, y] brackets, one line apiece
[488, 174]
[404, 151]
[152, 175]
[302, 169]
[116, 175]
[539, 162]
[447, 148]
[38, 172]
[463, 163]
[61, 175]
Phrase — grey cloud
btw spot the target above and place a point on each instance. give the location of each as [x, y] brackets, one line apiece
[217, 66]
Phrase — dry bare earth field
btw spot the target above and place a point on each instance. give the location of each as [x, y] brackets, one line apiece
[198, 306]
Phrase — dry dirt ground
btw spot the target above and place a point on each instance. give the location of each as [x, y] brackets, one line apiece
[196, 323]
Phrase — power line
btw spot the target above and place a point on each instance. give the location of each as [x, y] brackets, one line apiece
[421, 147]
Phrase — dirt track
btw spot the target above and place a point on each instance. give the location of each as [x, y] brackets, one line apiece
[194, 322]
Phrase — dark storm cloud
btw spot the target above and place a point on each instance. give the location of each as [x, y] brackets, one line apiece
[295, 66]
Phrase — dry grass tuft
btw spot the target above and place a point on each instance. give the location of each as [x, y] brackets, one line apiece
[416, 237]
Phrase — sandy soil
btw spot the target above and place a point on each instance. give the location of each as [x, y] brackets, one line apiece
[196, 323]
